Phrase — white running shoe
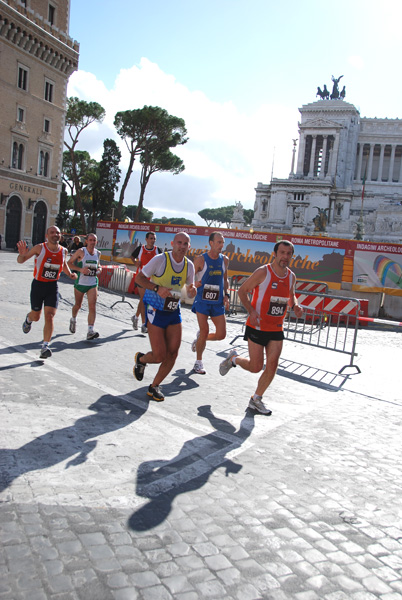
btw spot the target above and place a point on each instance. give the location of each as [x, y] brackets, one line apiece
[73, 324]
[227, 364]
[258, 405]
[135, 321]
[194, 344]
[144, 329]
[199, 368]
[92, 335]
[45, 352]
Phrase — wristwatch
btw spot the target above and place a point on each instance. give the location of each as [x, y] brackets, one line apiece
[155, 288]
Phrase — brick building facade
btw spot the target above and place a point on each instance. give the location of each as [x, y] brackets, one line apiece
[37, 56]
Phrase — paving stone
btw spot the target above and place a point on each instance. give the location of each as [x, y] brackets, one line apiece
[375, 585]
[144, 579]
[156, 593]
[125, 594]
[177, 584]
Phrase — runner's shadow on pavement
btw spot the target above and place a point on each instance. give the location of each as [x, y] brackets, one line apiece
[182, 382]
[74, 442]
[161, 481]
[31, 363]
[84, 343]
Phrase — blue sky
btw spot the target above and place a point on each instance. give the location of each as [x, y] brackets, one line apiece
[237, 72]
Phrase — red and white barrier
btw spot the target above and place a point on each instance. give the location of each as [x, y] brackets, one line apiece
[310, 286]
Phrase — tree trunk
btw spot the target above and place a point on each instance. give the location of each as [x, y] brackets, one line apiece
[77, 198]
[145, 175]
[123, 187]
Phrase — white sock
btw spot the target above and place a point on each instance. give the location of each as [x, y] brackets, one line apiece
[256, 397]
[45, 344]
[90, 328]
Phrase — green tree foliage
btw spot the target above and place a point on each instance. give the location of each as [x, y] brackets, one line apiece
[248, 214]
[149, 132]
[101, 182]
[80, 114]
[215, 217]
[178, 221]
[209, 216]
[131, 210]
[82, 164]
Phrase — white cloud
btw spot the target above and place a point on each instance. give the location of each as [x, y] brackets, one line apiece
[228, 152]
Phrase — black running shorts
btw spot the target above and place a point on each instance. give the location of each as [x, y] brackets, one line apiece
[262, 338]
[44, 293]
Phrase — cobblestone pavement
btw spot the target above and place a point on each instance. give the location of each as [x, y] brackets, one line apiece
[105, 495]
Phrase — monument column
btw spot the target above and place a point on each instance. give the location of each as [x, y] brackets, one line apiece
[334, 155]
[400, 172]
[370, 162]
[292, 168]
[312, 157]
[391, 163]
[323, 156]
[359, 163]
[300, 158]
[380, 166]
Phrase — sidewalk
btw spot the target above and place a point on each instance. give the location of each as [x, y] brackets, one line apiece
[105, 495]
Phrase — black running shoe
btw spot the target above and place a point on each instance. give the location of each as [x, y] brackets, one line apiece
[155, 393]
[139, 368]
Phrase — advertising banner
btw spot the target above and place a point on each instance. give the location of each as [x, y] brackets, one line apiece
[378, 268]
[317, 259]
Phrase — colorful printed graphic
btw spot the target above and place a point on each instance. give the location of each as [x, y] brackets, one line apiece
[386, 268]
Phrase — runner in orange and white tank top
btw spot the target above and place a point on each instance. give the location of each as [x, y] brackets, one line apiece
[50, 261]
[270, 299]
[141, 257]
[273, 291]
[49, 264]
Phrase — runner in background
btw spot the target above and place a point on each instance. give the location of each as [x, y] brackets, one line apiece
[86, 262]
[50, 261]
[211, 281]
[141, 256]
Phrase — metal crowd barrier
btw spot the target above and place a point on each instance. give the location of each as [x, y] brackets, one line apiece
[235, 305]
[116, 278]
[328, 322]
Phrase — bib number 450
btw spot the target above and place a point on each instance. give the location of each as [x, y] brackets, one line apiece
[171, 304]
